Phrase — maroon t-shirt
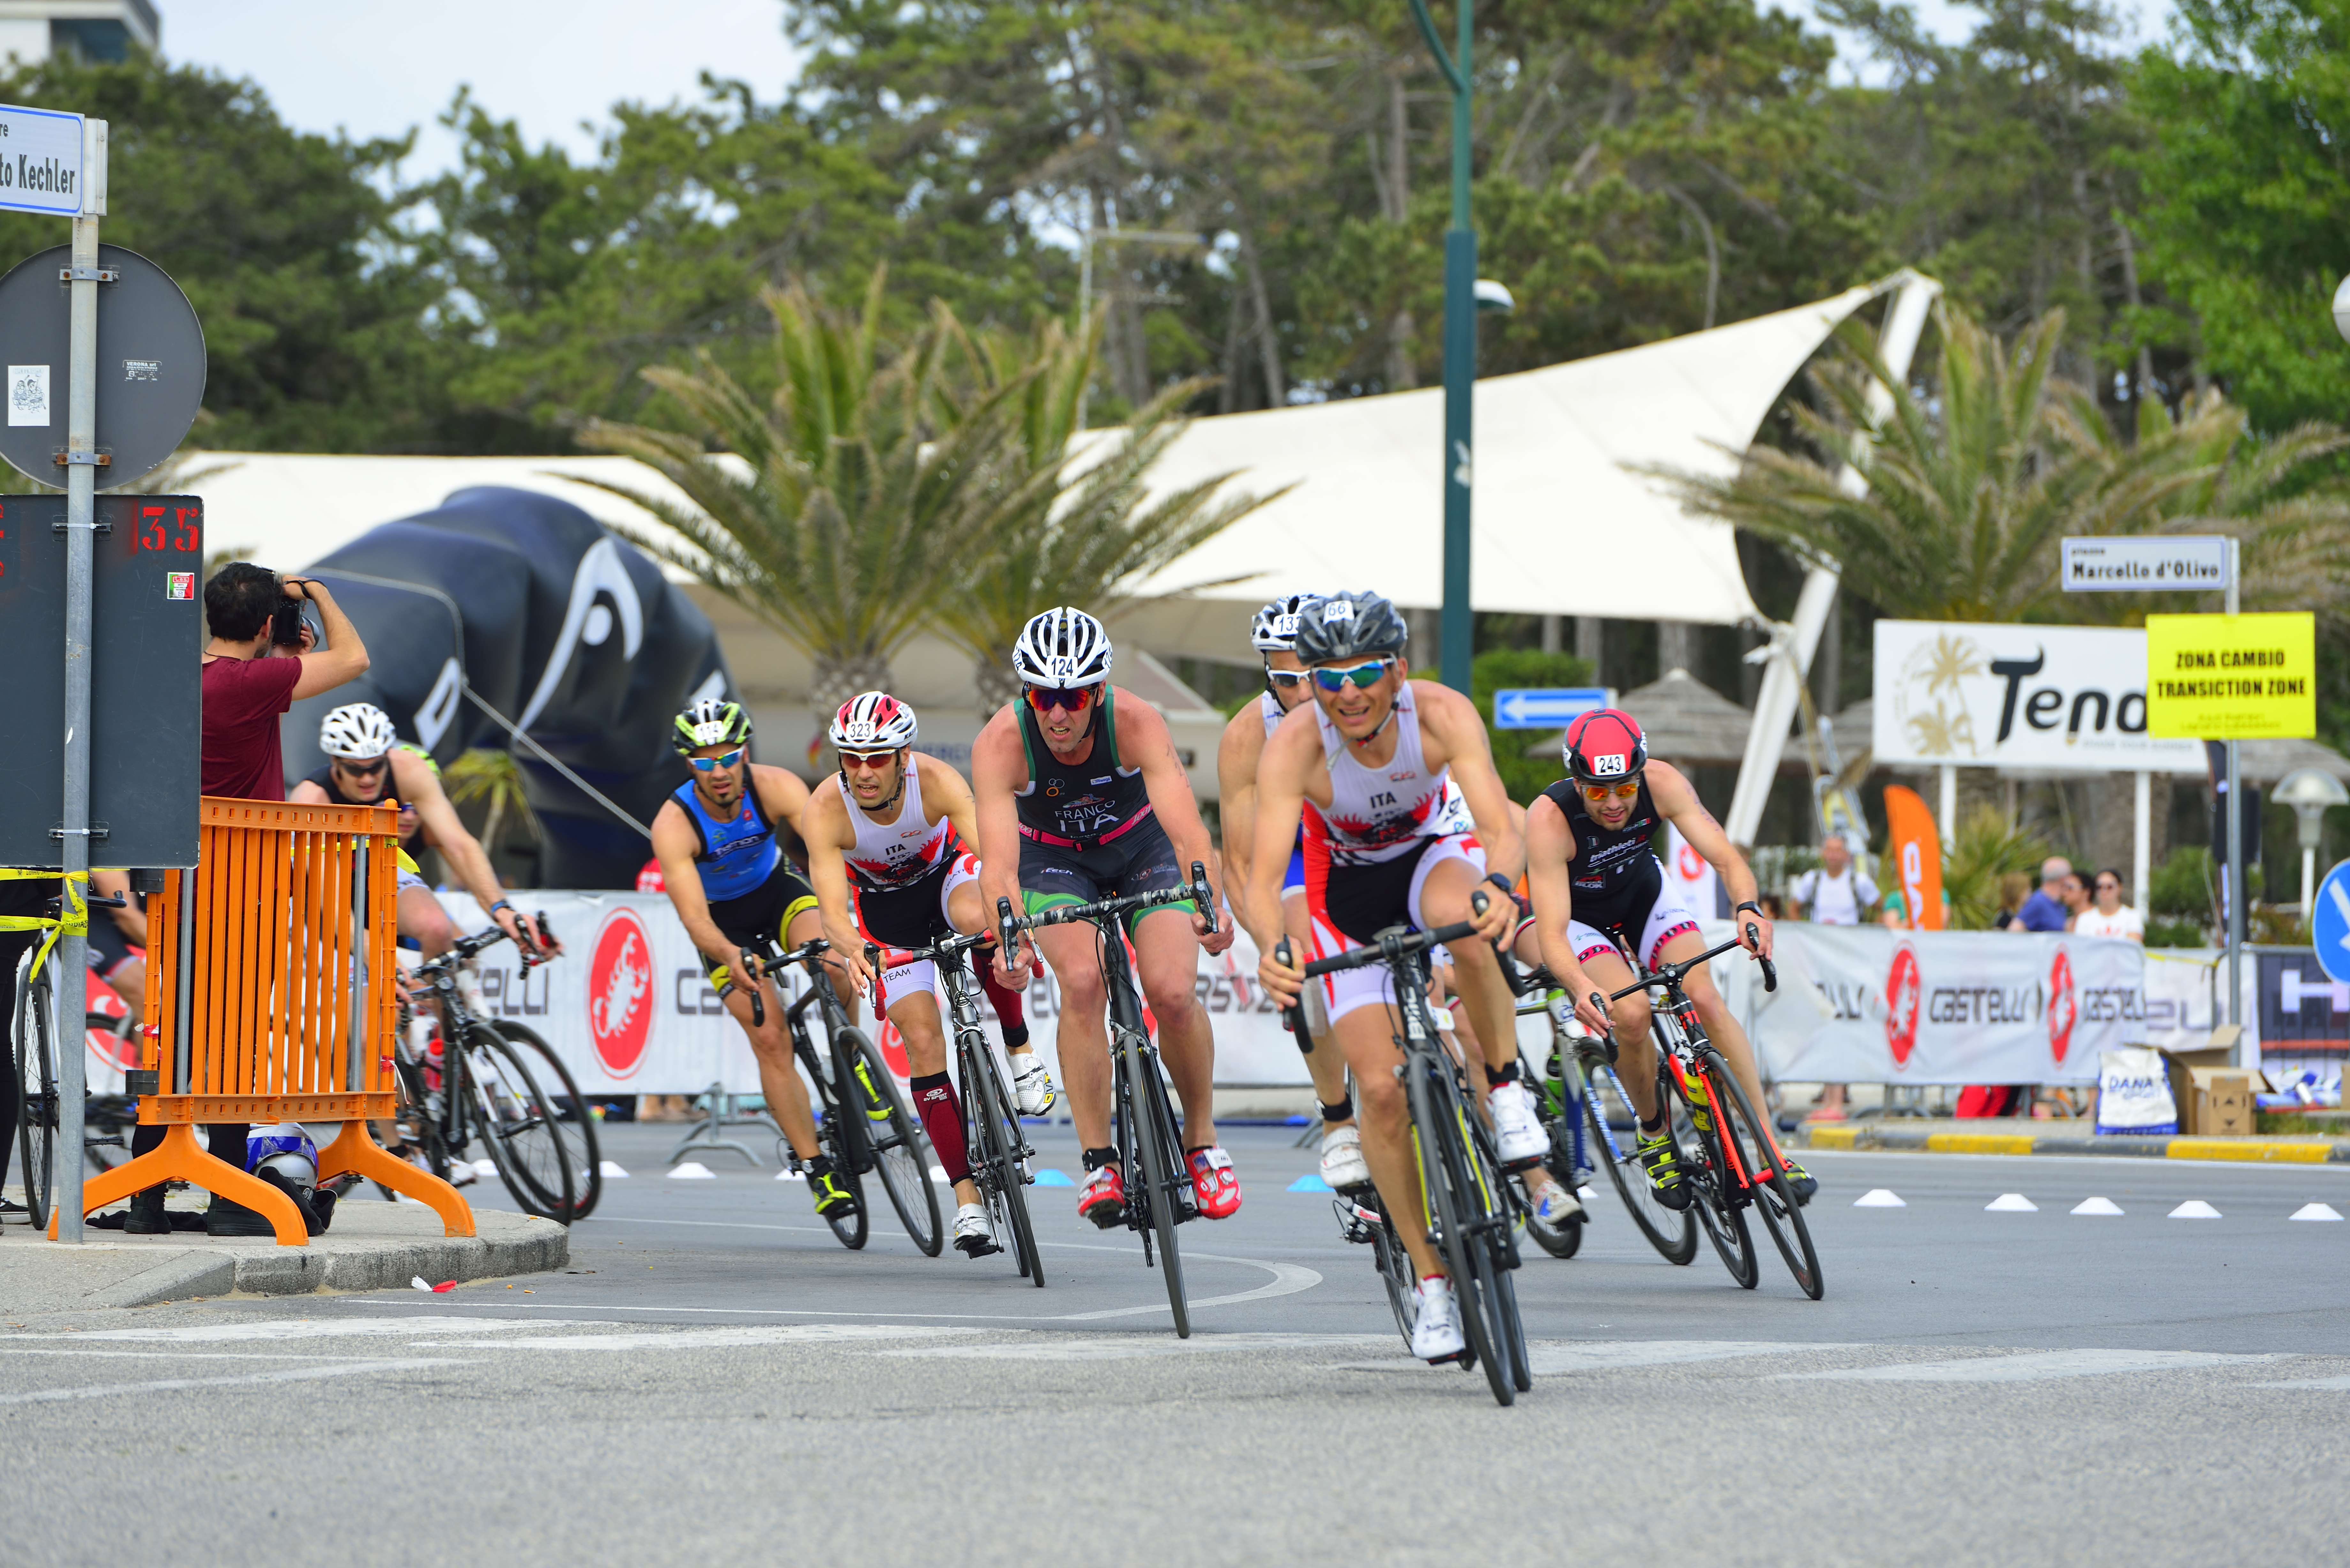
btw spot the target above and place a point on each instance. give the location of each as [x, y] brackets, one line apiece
[242, 698]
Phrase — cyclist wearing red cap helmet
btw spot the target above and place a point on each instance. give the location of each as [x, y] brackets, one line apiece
[1598, 887]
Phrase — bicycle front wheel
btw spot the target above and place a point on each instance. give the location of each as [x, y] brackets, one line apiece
[519, 1123]
[896, 1138]
[1699, 1148]
[1002, 1175]
[37, 1079]
[1157, 1149]
[1751, 1151]
[1440, 1130]
[575, 1122]
[1672, 1233]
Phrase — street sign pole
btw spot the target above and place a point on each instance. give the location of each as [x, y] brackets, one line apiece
[72, 987]
[2235, 844]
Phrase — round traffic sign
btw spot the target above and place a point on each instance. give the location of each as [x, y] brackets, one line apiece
[150, 366]
[2329, 923]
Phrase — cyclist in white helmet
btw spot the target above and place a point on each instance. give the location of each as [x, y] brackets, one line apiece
[368, 764]
[888, 855]
[1081, 797]
[1272, 632]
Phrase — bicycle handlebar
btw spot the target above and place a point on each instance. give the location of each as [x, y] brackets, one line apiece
[1393, 946]
[1672, 974]
[1195, 890]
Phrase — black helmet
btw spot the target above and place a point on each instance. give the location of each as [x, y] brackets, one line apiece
[1348, 625]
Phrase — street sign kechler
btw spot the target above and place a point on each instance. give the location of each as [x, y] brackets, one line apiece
[41, 162]
[2329, 924]
[1546, 708]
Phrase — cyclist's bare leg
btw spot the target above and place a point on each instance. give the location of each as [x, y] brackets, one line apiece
[130, 982]
[1476, 971]
[1366, 1038]
[1328, 1068]
[1537, 1178]
[1636, 1048]
[1083, 1045]
[1721, 1026]
[779, 1075]
[916, 1014]
[422, 918]
[967, 913]
[1166, 961]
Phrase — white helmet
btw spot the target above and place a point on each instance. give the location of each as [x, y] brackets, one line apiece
[1062, 647]
[285, 1149]
[1274, 630]
[872, 722]
[356, 732]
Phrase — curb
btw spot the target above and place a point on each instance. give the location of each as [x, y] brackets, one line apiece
[1894, 1139]
[541, 1245]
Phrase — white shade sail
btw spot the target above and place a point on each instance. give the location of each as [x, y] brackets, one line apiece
[1562, 526]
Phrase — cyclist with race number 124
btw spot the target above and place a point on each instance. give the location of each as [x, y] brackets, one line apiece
[1081, 797]
[1386, 845]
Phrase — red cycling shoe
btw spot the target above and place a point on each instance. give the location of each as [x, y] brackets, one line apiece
[1102, 1198]
[1216, 1184]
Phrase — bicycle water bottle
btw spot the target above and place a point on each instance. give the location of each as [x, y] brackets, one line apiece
[435, 1058]
[1700, 1104]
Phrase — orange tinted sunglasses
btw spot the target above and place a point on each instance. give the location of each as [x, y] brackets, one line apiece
[1596, 792]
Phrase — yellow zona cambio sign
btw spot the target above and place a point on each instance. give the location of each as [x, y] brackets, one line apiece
[2231, 677]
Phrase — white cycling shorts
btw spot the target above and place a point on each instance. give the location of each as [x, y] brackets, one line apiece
[901, 977]
[1350, 989]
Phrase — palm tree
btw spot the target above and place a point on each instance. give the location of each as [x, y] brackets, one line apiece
[1079, 525]
[493, 776]
[1955, 506]
[847, 506]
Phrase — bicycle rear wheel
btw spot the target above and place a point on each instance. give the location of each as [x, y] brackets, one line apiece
[1672, 1233]
[575, 1122]
[1440, 1136]
[1702, 1170]
[1156, 1149]
[37, 1079]
[1003, 1177]
[1752, 1149]
[1395, 1273]
[518, 1122]
[895, 1139]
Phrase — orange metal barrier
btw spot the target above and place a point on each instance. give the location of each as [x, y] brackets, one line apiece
[271, 997]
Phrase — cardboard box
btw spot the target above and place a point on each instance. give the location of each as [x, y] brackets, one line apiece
[2223, 1104]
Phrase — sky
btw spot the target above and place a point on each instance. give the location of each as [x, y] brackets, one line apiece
[375, 67]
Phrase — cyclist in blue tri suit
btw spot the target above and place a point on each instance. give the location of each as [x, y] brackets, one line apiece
[715, 840]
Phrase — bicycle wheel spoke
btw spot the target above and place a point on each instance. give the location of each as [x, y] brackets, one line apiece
[1771, 1197]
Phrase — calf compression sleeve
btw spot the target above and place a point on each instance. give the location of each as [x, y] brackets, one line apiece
[942, 1114]
[1009, 1012]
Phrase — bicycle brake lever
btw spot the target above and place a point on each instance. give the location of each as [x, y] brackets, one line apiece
[1294, 1014]
[1200, 896]
[757, 992]
[1770, 969]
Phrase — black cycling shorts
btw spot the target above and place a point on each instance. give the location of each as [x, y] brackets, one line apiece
[766, 910]
[1139, 860]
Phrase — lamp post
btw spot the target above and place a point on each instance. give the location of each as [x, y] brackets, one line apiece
[2310, 793]
[1460, 347]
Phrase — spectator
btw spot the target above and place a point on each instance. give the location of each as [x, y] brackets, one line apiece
[2075, 897]
[2014, 889]
[1836, 892]
[2109, 916]
[2047, 910]
[245, 691]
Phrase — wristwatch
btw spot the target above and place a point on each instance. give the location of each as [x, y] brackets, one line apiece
[1504, 883]
[1750, 904]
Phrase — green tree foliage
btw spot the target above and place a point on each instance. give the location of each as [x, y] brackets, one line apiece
[1503, 669]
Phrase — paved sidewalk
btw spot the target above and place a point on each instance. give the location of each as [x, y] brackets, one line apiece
[2008, 1135]
[373, 1245]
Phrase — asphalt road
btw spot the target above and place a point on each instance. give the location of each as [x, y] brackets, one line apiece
[715, 1379]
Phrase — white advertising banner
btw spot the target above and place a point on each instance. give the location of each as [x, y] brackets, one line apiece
[1868, 1005]
[2051, 699]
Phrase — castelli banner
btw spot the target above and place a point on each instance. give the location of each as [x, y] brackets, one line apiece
[1913, 857]
[1875, 1006]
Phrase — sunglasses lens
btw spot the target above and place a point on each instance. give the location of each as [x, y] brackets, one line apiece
[1075, 699]
[1360, 675]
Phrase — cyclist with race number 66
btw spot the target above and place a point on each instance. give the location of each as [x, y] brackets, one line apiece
[887, 851]
[1596, 883]
[1081, 797]
[1388, 843]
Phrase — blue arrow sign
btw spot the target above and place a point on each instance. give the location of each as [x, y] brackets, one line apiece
[1546, 708]
[2330, 923]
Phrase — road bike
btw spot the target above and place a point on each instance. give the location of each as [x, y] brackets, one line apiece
[866, 1129]
[1592, 1127]
[1149, 1143]
[996, 1148]
[1469, 1210]
[1729, 1161]
[35, 1037]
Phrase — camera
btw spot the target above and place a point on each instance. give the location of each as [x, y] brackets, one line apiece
[286, 622]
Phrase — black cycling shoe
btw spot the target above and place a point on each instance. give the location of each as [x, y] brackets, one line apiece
[300, 1198]
[1802, 1183]
[832, 1201]
[1664, 1167]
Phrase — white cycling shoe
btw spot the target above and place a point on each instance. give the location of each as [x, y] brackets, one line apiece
[1436, 1325]
[1032, 1085]
[974, 1236]
[1342, 1158]
[1557, 1205]
[1519, 1139]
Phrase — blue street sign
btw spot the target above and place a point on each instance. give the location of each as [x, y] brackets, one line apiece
[1546, 708]
[2330, 923]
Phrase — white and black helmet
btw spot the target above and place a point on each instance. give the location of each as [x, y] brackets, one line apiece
[1274, 630]
[1334, 628]
[872, 722]
[357, 732]
[1062, 647]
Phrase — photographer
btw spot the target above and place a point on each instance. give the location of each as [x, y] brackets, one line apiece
[253, 614]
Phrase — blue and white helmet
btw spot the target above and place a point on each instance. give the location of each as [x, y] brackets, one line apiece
[1274, 628]
[1062, 649]
[285, 1149]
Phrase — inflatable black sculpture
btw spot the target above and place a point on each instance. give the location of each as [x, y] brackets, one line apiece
[558, 623]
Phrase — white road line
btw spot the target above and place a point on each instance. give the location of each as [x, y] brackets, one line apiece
[170, 1384]
[1125, 1348]
[713, 1339]
[279, 1328]
[1288, 1278]
[2312, 1383]
[1553, 1357]
[2031, 1366]
[175, 1352]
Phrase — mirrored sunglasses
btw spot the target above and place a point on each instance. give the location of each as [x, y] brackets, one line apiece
[868, 760]
[1044, 699]
[1358, 675]
[711, 764]
[1621, 792]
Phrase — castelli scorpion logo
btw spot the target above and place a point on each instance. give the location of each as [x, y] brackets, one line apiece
[2063, 1006]
[1903, 993]
[620, 992]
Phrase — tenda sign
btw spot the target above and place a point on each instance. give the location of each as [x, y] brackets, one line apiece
[2067, 699]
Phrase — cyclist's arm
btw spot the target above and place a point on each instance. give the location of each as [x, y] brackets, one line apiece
[827, 833]
[946, 795]
[674, 845]
[1145, 742]
[413, 781]
[783, 794]
[1236, 763]
[1279, 802]
[999, 766]
[307, 794]
[1677, 799]
[345, 657]
[1549, 843]
[130, 920]
[1459, 729]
